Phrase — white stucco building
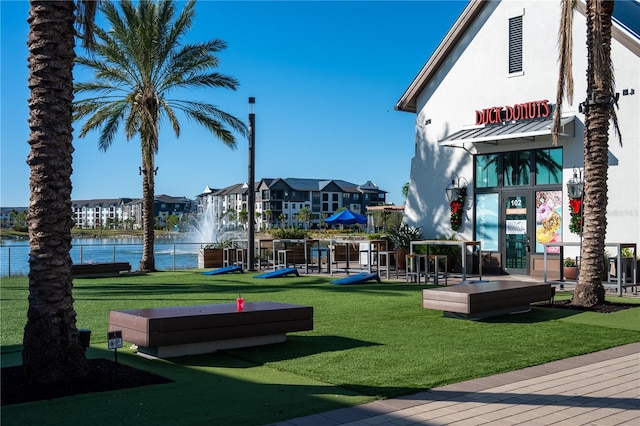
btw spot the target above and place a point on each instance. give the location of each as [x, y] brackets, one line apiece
[483, 104]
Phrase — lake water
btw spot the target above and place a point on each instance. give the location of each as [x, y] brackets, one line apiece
[170, 254]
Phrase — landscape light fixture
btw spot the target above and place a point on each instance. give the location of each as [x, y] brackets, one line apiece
[453, 189]
[141, 171]
[575, 186]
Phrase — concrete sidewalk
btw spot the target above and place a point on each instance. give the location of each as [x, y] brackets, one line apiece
[602, 388]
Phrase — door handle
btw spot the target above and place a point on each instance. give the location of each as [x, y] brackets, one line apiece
[528, 243]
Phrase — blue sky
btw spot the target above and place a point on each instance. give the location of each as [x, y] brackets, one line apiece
[325, 75]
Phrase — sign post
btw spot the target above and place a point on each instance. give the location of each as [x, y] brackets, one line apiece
[114, 339]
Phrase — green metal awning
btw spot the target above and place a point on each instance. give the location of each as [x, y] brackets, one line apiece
[514, 130]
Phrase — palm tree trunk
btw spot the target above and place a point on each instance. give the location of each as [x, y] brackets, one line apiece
[148, 261]
[589, 290]
[51, 346]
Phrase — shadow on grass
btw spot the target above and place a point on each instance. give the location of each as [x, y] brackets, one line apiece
[270, 394]
[536, 314]
[294, 347]
[222, 286]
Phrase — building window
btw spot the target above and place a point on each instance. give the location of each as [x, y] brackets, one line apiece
[487, 170]
[517, 168]
[515, 44]
[549, 166]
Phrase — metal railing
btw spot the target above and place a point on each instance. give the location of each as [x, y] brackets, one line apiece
[14, 258]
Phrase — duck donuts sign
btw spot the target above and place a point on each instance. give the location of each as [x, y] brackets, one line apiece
[525, 111]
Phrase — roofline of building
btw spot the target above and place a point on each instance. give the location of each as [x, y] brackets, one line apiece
[408, 100]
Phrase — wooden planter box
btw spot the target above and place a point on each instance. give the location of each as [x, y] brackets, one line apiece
[210, 258]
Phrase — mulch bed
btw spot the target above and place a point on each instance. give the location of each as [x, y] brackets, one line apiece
[605, 308]
[104, 375]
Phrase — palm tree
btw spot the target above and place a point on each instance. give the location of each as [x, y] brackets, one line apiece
[268, 217]
[243, 217]
[137, 63]
[52, 350]
[305, 215]
[598, 111]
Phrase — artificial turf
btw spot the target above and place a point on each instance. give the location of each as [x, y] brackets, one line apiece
[369, 341]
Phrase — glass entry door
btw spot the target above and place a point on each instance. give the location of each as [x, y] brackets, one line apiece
[517, 247]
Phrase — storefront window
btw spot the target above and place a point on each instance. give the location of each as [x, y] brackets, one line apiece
[487, 171]
[548, 219]
[517, 168]
[487, 225]
[549, 166]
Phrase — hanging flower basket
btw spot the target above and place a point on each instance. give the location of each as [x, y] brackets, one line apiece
[575, 209]
[457, 209]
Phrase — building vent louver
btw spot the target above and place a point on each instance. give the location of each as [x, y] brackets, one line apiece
[515, 44]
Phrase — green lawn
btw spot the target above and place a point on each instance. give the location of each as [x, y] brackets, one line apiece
[369, 341]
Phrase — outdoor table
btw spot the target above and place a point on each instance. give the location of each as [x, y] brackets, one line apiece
[620, 283]
[369, 251]
[368, 248]
[462, 244]
[262, 251]
[307, 245]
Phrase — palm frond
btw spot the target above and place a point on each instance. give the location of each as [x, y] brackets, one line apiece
[565, 62]
[137, 61]
[213, 111]
[85, 20]
[175, 124]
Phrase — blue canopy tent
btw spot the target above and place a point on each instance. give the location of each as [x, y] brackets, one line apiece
[346, 217]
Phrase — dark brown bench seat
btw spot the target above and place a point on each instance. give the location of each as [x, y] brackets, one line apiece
[188, 330]
[485, 299]
[106, 269]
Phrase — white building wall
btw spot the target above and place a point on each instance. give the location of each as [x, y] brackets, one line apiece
[475, 76]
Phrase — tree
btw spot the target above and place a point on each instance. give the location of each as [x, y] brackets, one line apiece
[304, 215]
[268, 217]
[171, 222]
[52, 350]
[405, 190]
[18, 220]
[598, 111]
[137, 63]
[243, 217]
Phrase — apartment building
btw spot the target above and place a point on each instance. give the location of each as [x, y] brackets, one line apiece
[163, 207]
[99, 213]
[125, 212]
[279, 200]
[225, 205]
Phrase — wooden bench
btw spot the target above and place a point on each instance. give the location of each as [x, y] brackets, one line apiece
[189, 330]
[109, 269]
[486, 299]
